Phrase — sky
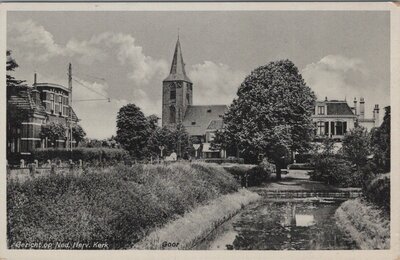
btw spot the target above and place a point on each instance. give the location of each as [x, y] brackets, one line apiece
[126, 55]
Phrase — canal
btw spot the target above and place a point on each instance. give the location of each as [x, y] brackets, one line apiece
[284, 223]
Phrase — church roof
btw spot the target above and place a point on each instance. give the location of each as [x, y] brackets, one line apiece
[178, 66]
[198, 118]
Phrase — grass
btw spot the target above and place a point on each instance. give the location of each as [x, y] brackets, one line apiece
[195, 225]
[118, 205]
[366, 224]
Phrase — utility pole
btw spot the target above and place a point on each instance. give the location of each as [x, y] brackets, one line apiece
[70, 104]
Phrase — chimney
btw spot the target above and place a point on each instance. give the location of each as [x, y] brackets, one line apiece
[355, 106]
[35, 93]
[376, 116]
[362, 108]
[36, 96]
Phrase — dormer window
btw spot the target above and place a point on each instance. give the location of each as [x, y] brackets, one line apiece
[209, 110]
[193, 123]
[321, 110]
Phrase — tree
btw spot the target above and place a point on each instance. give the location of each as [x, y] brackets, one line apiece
[11, 65]
[380, 142]
[14, 115]
[172, 138]
[153, 121]
[272, 114]
[53, 131]
[133, 130]
[78, 133]
[356, 146]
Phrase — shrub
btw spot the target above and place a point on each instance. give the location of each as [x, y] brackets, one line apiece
[378, 191]
[89, 155]
[255, 174]
[335, 170]
[118, 205]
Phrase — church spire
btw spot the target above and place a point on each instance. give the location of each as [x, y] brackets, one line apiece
[177, 71]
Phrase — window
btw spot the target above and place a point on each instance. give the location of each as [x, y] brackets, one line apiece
[321, 128]
[172, 94]
[209, 110]
[172, 115]
[341, 128]
[193, 123]
[321, 110]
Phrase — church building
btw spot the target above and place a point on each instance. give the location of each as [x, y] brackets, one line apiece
[201, 121]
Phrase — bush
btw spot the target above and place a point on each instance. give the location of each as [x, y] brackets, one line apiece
[378, 191]
[89, 155]
[256, 174]
[118, 205]
[333, 169]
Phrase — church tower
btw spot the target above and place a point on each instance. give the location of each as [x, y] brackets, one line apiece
[177, 92]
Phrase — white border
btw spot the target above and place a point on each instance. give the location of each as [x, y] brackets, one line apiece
[393, 253]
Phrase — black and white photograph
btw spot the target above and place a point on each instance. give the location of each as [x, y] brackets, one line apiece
[198, 129]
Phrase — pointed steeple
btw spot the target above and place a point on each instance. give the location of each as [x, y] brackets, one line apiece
[178, 66]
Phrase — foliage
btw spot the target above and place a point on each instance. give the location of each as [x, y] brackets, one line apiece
[78, 133]
[380, 142]
[153, 121]
[255, 174]
[335, 170]
[364, 223]
[14, 115]
[356, 146]
[172, 138]
[12, 83]
[272, 113]
[118, 205]
[133, 130]
[87, 155]
[53, 131]
[378, 191]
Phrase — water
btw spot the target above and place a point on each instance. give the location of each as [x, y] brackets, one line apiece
[281, 225]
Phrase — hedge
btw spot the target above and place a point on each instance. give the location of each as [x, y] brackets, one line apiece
[378, 191]
[117, 205]
[82, 153]
[256, 174]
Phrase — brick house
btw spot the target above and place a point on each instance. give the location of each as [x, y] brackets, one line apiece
[30, 108]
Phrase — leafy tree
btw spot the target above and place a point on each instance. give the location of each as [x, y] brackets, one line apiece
[153, 121]
[11, 65]
[380, 142]
[172, 138]
[53, 131]
[133, 130]
[78, 133]
[14, 115]
[356, 146]
[272, 114]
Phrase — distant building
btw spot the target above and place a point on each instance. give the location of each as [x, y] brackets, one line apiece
[177, 107]
[38, 105]
[333, 118]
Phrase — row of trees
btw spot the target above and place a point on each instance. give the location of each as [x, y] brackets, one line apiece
[57, 131]
[142, 136]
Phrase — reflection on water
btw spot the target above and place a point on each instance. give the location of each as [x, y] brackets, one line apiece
[281, 226]
[304, 220]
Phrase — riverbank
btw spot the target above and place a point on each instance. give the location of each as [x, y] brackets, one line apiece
[117, 205]
[364, 223]
[187, 231]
